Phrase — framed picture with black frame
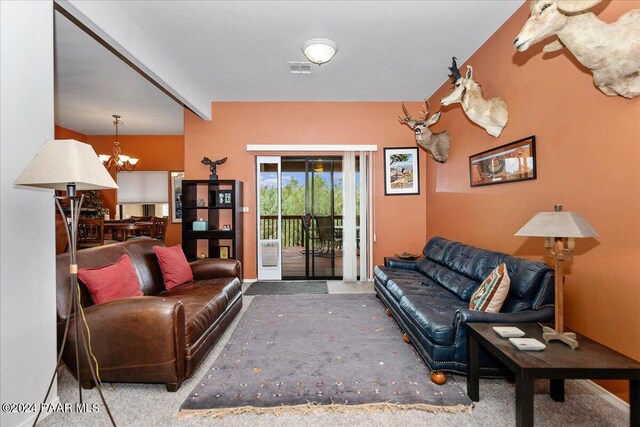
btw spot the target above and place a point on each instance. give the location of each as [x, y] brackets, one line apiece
[175, 203]
[223, 199]
[512, 162]
[401, 171]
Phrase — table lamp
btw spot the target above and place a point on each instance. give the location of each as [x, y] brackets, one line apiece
[559, 230]
[69, 165]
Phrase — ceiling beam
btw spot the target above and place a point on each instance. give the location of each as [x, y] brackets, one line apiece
[310, 147]
[112, 28]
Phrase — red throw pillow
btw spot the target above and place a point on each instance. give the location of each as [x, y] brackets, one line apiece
[174, 265]
[111, 282]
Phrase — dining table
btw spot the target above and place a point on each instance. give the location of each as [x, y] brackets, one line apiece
[121, 230]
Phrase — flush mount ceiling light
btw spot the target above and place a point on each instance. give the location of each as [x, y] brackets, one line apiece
[319, 51]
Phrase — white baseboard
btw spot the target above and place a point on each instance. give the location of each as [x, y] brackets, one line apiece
[29, 421]
[606, 395]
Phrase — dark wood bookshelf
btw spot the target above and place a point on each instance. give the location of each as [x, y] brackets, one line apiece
[220, 204]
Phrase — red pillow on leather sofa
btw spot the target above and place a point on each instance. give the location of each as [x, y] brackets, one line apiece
[174, 266]
[111, 282]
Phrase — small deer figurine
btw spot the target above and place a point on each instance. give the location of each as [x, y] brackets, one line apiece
[610, 51]
[490, 114]
[436, 144]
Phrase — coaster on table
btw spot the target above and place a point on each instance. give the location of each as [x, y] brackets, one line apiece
[508, 331]
[527, 344]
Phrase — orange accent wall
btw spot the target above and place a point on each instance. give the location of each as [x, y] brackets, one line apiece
[64, 133]
[399, 220]
[588, 152]
[156, 153]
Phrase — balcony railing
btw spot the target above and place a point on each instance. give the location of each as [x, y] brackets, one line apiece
[293, 233]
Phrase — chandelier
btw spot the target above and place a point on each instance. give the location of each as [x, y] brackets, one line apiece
[118, 160]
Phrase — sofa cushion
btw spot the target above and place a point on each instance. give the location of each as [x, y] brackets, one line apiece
[492, 292]
[455, 282]
[145, 260]
[398, 279]
[433, 311]
[204, 301]
[174, 265]
[111, 282]
[527, 277]
[384, 273]
[465, 267]
[471, 262]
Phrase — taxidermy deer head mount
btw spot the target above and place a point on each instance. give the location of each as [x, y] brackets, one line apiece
[491, 114]
[610, 51]
[436, 144]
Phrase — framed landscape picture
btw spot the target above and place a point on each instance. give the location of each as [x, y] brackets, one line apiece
[175, 205]
[515, 161]
[401, 171]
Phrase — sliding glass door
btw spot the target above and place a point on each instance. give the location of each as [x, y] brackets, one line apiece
[302, 229]
[311, 218]
[323, 212]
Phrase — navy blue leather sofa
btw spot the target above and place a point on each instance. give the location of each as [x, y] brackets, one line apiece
[429, 299]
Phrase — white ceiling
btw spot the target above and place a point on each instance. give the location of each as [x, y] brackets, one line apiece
[91, 84]
[238, 51]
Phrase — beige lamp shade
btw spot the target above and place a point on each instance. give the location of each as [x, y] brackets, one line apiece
[66, 161]
[557, 224]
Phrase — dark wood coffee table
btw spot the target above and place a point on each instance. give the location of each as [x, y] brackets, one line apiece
[557, 362]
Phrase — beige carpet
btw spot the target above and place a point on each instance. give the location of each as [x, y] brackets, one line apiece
[143, 405]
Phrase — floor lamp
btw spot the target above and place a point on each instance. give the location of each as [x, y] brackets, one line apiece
[559, 230]
[69, 165]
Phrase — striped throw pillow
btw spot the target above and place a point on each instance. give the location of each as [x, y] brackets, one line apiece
[492, 292]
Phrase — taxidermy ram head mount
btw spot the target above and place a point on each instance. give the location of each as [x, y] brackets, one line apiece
[436, 144]
[490, 114]
[610, 51]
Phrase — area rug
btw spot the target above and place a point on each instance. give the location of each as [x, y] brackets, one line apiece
[307, 353]
[287, 287]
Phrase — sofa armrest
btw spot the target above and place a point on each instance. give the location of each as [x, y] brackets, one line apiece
[212, 268]
[528, 316]
[401, 264]
[134, 332]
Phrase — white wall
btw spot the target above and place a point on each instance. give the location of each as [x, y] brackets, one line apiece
[27, 251]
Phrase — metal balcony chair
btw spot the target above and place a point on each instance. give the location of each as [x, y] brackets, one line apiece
[328, 239]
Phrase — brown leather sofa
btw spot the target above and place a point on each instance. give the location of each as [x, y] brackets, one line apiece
[160, 337]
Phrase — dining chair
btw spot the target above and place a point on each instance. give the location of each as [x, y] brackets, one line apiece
[144, 232]
[90, 232]
[159, 228]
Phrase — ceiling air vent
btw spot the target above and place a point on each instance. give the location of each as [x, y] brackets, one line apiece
[299, 67]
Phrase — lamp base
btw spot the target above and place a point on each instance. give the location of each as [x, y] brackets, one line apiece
[569, 338]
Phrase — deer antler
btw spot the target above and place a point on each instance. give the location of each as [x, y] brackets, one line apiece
[408, 117]
[455, 72]
[426, 112]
